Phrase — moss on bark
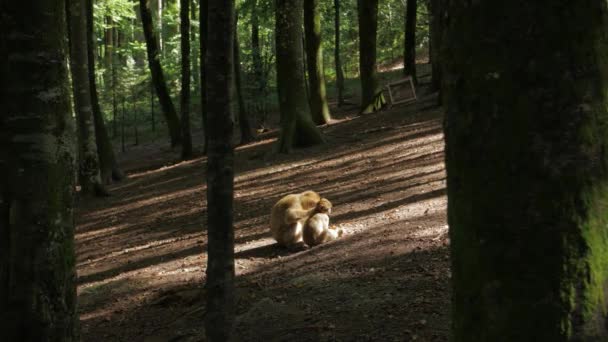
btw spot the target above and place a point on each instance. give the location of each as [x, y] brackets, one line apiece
[527, 166]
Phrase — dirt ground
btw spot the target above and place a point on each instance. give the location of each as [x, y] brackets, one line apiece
[141, 252]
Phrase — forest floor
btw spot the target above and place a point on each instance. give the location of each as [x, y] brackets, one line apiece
[141, 252]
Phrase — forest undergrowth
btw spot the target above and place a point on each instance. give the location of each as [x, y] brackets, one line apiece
[141, 262]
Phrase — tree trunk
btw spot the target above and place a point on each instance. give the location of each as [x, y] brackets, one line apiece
[158, 76]
[436, 30]
[194, 50]
[527, 166]
[88, 159]
[244, 124]
[256, 54]
[37, 260]
[184, 27]
[371, 92]
[338, 60]
[297, 127]
[409, 52]
[220, 173]
[203, 16]
[108, 166]
[314, 52]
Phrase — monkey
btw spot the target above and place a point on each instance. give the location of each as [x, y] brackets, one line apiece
[316, 229]
[288, 216]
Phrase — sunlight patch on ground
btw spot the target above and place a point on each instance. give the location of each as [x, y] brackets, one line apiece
[137, 248]
[166, 168]
[145, 202]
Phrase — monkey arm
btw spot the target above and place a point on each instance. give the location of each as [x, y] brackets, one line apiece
[295, 215]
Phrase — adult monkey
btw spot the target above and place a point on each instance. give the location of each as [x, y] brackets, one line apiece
[289, 214]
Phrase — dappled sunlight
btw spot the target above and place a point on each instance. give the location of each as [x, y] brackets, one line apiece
[386, 181]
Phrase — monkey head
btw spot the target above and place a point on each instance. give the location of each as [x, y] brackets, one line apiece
[324, 206]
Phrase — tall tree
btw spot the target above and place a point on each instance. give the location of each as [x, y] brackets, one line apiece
[244, 124]
[220, 172]
[527, 165]
[184, 27]
[158, 77]
[337, 58]
[409, 52]
[297, 127]
[314, 55]
[256, 55]
[203, 16]
[371, 92]
[436, 29]
[37, 260]
[109, 169]
[88, 158]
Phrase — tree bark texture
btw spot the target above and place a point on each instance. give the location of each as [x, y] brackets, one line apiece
[371, 91]
[220, 172]
[185, 93]
[436, 17]
[37, 148]
[158, 77]
[109, 169]
[244, 124]
[409, 52]
[527, 165]
[316, 78]
[337, 58]
[89, 176]
[297, 127]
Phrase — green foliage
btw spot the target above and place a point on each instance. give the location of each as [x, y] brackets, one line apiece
[133, 77]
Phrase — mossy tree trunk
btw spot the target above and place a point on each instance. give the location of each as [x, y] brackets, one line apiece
[203, 16]
[527, 165]
[409, 51]
[297, 127]
[37, 260]
[244, 124]
[158, 77]
[109, 169]
[184, 27]
[220, 172]
[314, 57]
[337, 58]
[89, 176]
[371, 92]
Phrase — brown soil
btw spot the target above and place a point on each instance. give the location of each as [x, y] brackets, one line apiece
[141, 252]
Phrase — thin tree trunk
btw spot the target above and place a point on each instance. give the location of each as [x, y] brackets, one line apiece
[203, 16]
[527, 166]
[244, 124]
[258, 68]
[436, 30]
[409, 55]
[37, 260]
[338, 60]
[314, 52]
[371, 92]
[88, 159]
[220, 173]
[109, 169]
[297, 127]
[196, 72]
[185, 94]
[158, 76]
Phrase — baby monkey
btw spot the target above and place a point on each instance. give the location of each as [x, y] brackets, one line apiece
[316, 229]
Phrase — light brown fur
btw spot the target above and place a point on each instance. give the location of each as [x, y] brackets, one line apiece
[289, 214]
[316, 229]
